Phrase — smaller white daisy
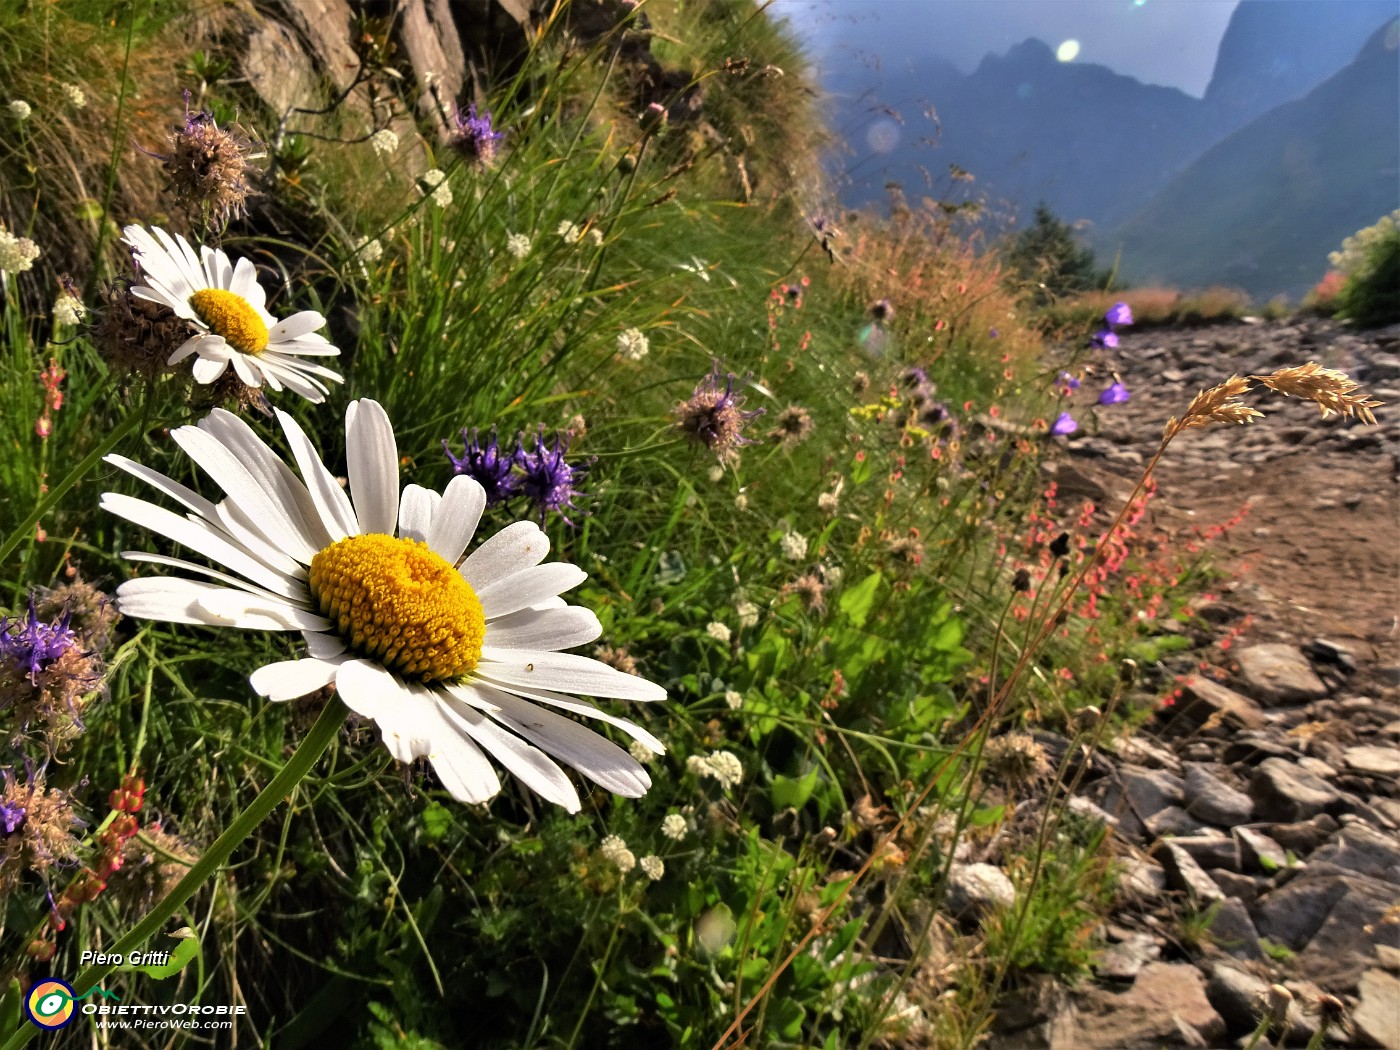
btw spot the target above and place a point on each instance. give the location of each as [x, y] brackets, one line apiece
[747, 612]
[632, 344]
[725, 768]
[615, 850]
[518, 245]
[67, 309]
[384, 142]
[74, 95]
[719, 632]
[569, 231]
[19, 109]
[674, 826]
[226, 304]
[653, 867]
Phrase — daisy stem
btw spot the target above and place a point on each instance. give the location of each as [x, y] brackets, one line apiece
[311, 748]
[26, 527]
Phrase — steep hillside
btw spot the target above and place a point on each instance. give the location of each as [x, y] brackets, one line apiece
[1262, 209]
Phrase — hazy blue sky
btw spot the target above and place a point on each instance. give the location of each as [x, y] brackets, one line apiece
[1169, 42]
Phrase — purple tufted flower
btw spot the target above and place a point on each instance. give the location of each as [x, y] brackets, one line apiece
[1118, 314]
[1114, 395]
[1065, 424]
[11, 816]
[31, 644]
[484, 461]
[712, 417]
[473, 136]
[549, 482]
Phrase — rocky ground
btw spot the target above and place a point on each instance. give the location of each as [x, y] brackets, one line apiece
[1259, 815]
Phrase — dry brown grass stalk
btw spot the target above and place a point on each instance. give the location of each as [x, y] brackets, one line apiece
[1220, 404]
[1329, 389]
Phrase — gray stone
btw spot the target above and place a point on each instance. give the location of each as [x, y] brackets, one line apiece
[1124, 960]
[1360, 848]
[1279, 674]
[1201, 700]
[1081, 806]
[976, 890]
[1243, 1000]
[1302, 837]
[1173, 821]
[1344, 946]
[1149, 791]
[1233, 931]
[1213, 801]
[1368, 758]
[1291, 914]
[1241, 887]
[1258, 852]
[1377, 1014]
[1283, 792]
[1211, 850]
[1141, 880]
[1166, 1006]
[1183, 873]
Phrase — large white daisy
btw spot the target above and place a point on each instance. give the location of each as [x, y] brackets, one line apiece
[226, 303]
[450, 657]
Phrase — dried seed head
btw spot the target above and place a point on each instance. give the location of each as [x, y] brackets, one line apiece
[135, 336]
[208, 167]
[1015, 759]
[1219, 404]
[1329, 389]
[152, 862]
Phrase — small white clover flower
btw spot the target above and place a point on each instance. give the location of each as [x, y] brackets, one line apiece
[518, 245]
[643, 754]
[719, 632]
[699, 765]
[794, 546]
[17, 254]
[74, 95]
[653, 867]
[741, 502]
[569, 231]
[715, 473]
[20, 110]
[726, 768]
[833, 575]
[616, 852]
[632, 344]
[595, 236]
[748, 613]
[734, 699]
[828, 503]
[436, 181]
[69, 310]
[369, 250]
[384, 142]
[674, 826]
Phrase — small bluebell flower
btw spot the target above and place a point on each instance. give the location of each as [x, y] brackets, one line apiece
[1065, 424]
[1105, 337]
[1116, 394]
[491, 468]
[1119, 314]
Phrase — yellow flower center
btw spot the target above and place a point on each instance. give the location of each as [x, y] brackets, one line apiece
[398, 603]
[232, 317]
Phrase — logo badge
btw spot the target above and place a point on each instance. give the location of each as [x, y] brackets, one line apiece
[49, 1004]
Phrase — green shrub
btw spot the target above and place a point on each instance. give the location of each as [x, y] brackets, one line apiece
[1369, 262]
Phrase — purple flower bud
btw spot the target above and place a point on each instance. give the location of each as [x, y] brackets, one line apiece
[1119, 314]
[31, 644]
[546, 479]
[484, 461]
[1114, 395]
[1064, 425]
[473, 136]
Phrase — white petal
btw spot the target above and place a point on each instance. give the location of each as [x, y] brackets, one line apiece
[201, 343]
[309, 345]
[256, 493]
[531, 765]
[549, 629]
[295, 381]
[293, 592]
[247, 370]
[374, 466]
[564, 672]
[187, 601]
[595, 757]
[369, 690]
[456, 518]
[191, 499]
[459, 763]
[217, 268]
[416, 511]
[330, 500]
[245, 283]
[588, 709]
[516, 547]
[198, 536]
[322, 646]
[524, 589]
[295, 326]
[207, 370]
[292, 678]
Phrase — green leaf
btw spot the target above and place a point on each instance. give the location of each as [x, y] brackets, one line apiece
[180, 957]
[987, 816]
[436, 819]
[788, 1016]
[856, 602]
[88, 209]
[9, 1008]
[794, 791]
